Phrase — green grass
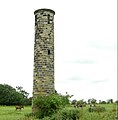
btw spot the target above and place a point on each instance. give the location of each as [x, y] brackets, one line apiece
[109, 114]
[9, 113]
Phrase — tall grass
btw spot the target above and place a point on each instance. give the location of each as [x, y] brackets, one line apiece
[84, 114]
[9, 113]
[109, 114]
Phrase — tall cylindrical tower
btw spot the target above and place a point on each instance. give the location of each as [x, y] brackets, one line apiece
[43, 82]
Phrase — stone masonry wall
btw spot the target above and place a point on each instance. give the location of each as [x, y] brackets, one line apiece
[43, 82]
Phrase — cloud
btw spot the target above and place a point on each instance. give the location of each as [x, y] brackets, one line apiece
[76, 78]
[84, 61]
[103, 45]
[98, 81]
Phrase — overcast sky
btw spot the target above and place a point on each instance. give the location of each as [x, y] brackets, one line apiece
[85, 46]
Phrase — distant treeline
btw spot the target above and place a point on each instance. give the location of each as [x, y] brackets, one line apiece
[13, 96]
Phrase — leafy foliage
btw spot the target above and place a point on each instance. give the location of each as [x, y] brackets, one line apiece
[23, 92]
[69, 114]
[74, 102]
[50, 104]
[9, 113]
[26, 100]
[97, 109]
[103, 102]
[110, 101]
[64, 114]
[81, 103]
[92, 101]
[9, 96]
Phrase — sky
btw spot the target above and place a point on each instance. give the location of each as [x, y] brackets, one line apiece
[85, 38]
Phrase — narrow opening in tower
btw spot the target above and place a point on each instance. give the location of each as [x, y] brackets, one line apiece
[48, 52]
[48, 19]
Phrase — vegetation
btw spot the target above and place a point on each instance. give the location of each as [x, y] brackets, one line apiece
[92, 101]
[9, 113]
[79, 103]
[58, 107]
[52, 107]
[97, 109]
[70, 113]
[11, 96]
[50, 104]
[65, 114]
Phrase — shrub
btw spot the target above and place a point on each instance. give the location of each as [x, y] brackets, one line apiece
[103, 102]
[100, 109]
[50, 104]
[64, 114]
[70, 114]
[90, 110]
[97, 109]
[74, 102]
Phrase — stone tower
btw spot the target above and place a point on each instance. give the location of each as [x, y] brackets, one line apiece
[43, 82]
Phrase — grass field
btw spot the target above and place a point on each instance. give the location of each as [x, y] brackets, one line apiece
[9, 113]
[109, 114]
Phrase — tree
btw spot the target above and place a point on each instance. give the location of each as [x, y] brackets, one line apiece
[9, 95]
[92, 101]
[110, 101]
[29, 101]
[100, 101]
[73, 102]
[81, 103]
[23, 92]
[103, 102]
[26, 100]
[89, 101]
